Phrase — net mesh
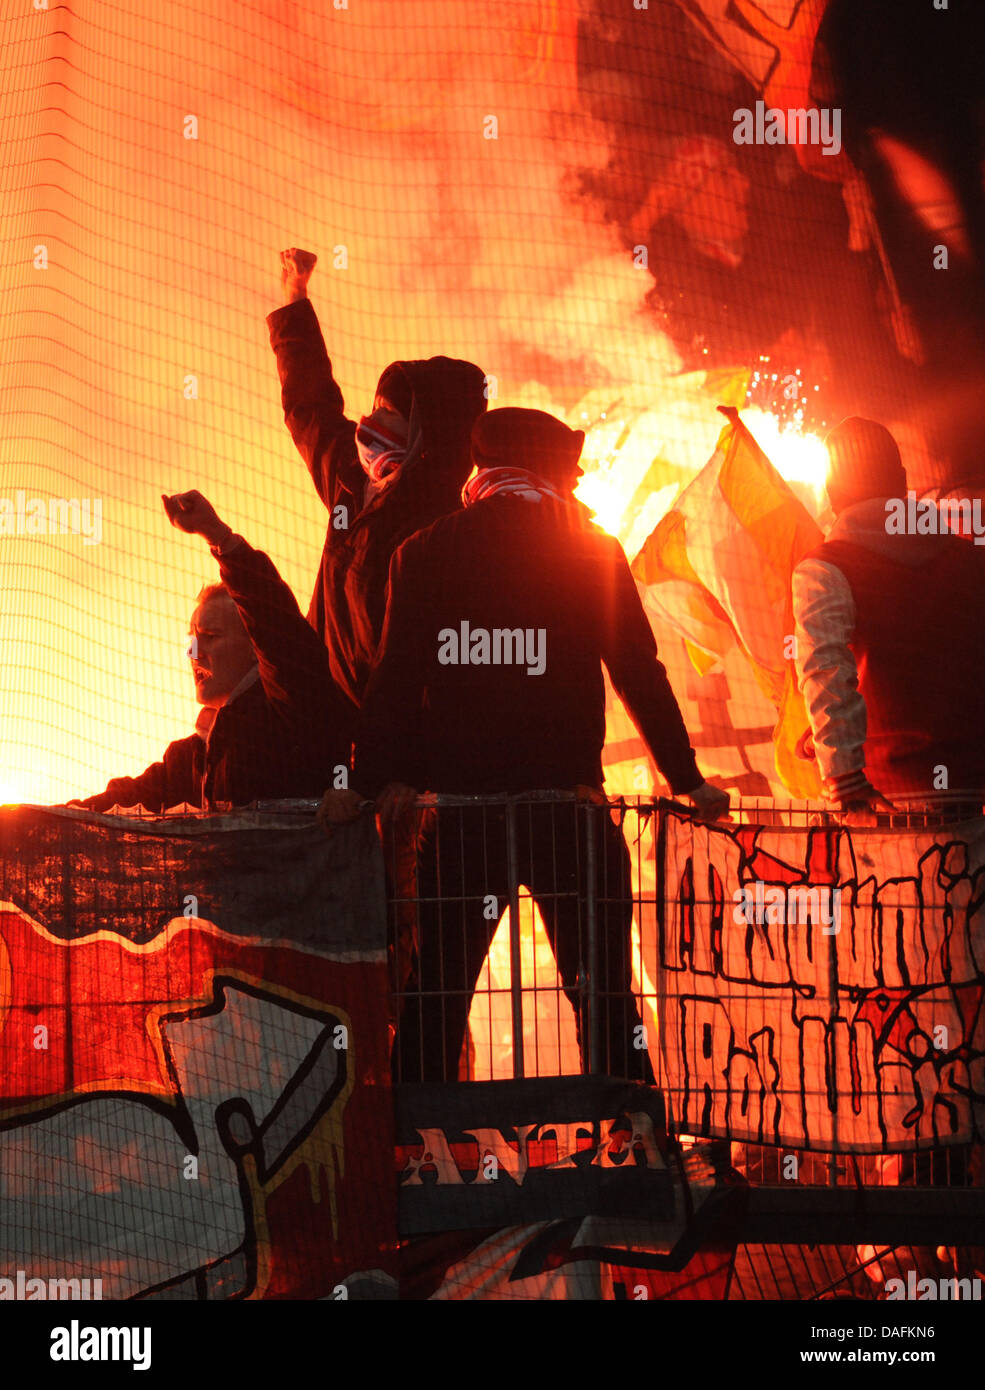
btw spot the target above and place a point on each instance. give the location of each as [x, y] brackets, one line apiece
[481, 180]
[551, 191]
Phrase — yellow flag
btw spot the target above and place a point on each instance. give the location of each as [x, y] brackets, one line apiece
[718, 567]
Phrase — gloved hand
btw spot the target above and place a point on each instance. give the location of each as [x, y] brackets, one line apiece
[711, 803]
[339, 806]
[394, 803]
[864, 810]
[854, 800]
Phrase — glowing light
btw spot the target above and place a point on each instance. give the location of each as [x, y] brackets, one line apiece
[798, 457]
[626, 483]
[617, 459]
[602, 494]
[13, 791]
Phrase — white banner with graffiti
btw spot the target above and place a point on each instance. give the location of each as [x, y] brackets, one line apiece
[823, 988]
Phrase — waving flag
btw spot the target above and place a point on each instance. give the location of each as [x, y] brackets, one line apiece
[718, 568]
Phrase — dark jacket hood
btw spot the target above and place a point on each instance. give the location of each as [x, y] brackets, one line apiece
[448, 398]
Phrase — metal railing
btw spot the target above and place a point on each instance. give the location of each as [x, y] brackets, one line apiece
[465, 865]
[460, 856]
[523, 872]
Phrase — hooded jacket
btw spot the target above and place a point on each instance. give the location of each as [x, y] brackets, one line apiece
[349, 601]
[283, 734]
[891, 656]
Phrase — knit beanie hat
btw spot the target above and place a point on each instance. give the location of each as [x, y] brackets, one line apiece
[528, 439]
[864, 462]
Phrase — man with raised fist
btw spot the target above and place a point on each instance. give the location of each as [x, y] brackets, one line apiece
[381, 478]
[271, 724]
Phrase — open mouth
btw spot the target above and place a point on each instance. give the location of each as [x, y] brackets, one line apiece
[201, 675]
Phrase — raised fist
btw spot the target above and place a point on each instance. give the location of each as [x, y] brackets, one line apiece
[295, 272]
[192, 512]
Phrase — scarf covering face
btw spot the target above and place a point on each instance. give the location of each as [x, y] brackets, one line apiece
[381, 453]
[514, 482]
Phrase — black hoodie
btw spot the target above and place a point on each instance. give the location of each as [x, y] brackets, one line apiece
[349, 600]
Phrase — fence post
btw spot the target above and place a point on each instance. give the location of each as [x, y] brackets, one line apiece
[592, 944]
[516, 982]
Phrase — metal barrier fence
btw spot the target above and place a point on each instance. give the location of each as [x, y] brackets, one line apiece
[468, 873]
[466, 866]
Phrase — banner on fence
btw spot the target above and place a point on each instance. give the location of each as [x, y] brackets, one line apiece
[823, 988]
[195, 1095]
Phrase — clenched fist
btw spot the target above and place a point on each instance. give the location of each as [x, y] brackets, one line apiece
[192, 512]
[295, 272]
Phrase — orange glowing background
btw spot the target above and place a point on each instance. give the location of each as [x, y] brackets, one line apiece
[138, 266]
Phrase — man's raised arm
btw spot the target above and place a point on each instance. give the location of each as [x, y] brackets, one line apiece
[312, 401]
[291, 658]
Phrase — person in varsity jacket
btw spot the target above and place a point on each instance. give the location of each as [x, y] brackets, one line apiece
[890, 631]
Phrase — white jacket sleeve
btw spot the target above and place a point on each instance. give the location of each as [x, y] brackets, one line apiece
[824, 618]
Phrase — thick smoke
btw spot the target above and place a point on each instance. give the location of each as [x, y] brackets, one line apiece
[359, 133]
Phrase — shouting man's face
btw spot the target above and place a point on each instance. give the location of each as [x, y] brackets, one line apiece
[219, 650]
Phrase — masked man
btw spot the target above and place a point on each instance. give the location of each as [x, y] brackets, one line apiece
[890, 628]
[381, 478]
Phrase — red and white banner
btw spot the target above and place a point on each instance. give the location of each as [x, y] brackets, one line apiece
[193, 1045]
[823, 988]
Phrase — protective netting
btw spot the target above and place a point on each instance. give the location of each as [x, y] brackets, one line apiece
[552, 191]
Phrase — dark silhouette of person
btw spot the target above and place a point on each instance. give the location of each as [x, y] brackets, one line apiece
[499, 620]
[381, 478]
[890, 628]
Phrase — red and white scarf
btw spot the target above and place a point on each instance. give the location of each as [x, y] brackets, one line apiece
[515, 482]
[380, 452]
